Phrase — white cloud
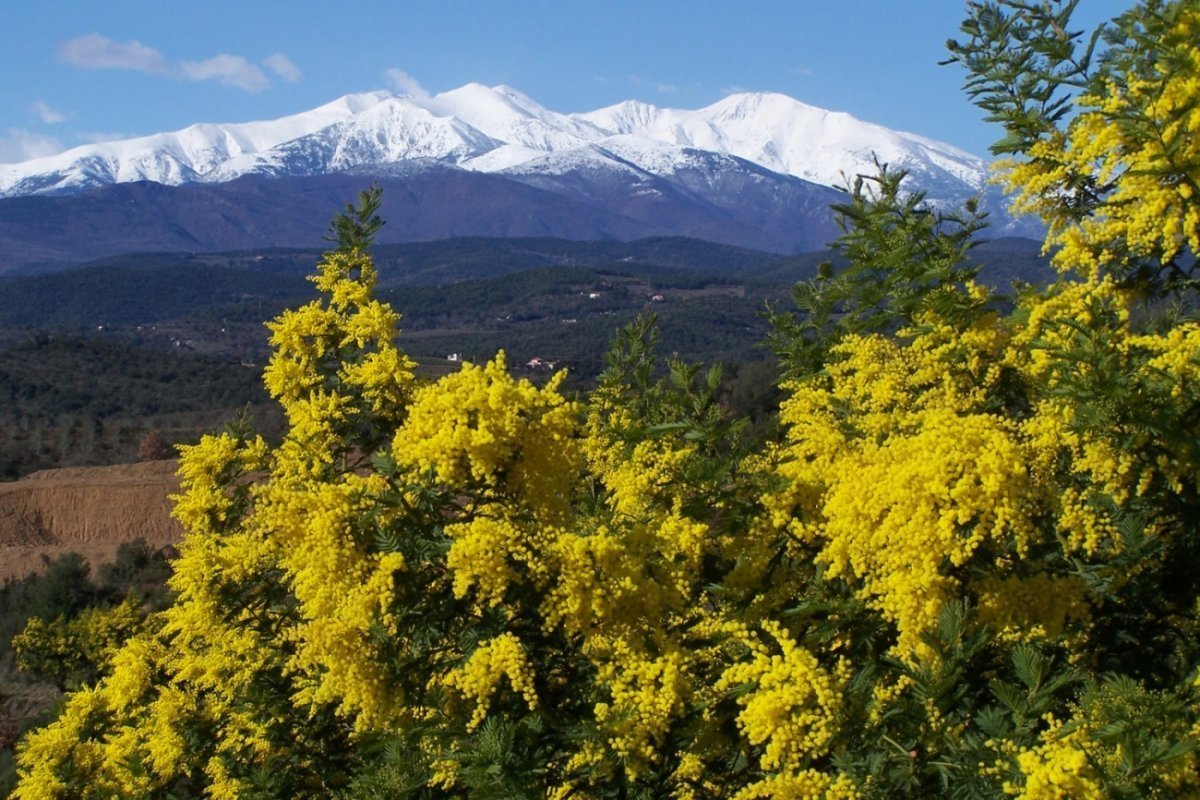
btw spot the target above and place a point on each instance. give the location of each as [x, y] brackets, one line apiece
[282, 66]
[404, 83]
[665, 88]
[94, 51]
[17, 144]
[229, 70]
[47, 114]
[807, 72]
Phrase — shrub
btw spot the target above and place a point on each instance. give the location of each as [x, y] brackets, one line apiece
[963, 568]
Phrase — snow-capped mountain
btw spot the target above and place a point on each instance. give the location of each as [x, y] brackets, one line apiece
[185, 156]
[790, 137]
[753, 170]
[501, 130]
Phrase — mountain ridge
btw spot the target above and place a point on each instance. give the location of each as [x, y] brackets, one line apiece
[471, 122]
[756, 170]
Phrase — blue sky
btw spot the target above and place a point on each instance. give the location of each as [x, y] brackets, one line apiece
[76, 71]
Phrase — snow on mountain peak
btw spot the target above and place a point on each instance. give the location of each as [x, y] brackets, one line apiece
[628, 116]
[492, 129]
[751, 104]
[520, 98]
[356, 103]
[510, 117]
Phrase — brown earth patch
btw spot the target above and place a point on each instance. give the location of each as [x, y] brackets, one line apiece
[86, 510]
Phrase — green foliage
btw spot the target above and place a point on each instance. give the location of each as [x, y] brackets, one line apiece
[70, 401]
[900, 260]
[70, 653]
[66, 589]
[1056, 88]
[55, 598]
[1024, 65]
[673, 401]
[63, 588]
[355, 228]
[213, 306]
[144, 292]
[962, 565]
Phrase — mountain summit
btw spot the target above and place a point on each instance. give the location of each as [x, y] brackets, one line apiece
[494, 129]
[756, 170]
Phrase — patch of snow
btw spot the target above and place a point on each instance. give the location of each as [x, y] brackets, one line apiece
[499, 129]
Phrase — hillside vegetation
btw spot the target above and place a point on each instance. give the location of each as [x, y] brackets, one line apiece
[962, 564]
[94, 358]
[67, 400]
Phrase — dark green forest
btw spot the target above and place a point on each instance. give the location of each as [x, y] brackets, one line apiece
[94, 358]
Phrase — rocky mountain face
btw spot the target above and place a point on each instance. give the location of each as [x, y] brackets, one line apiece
[756, 170]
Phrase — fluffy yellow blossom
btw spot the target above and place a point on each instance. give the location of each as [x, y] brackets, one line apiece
[44, 751]
[481, 428]
[647, 693]
[207, 502]
[89, 641]
[1138, 140]
[484, 553]
[793, 712]
[624, 574]
[806, 784]
[902, 515]
[1060, 769]
[637, 478]
[348, 341]
[478, 679]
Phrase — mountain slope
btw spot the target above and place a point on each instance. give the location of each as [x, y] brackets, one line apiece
[172, 158]
[492, 129]
[421, 202]
[753, 170]
[787, 136]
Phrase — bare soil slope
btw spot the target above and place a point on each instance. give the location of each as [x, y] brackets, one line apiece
[88, 510]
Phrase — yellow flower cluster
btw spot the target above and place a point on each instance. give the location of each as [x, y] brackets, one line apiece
[1072, 761]
[90, 639]
[343, 593]
[484, 554]
[902, 515]
[208, 504]
[250, 513]
[336, 360]
[46, 750]
[1177, 354]
[1034, 608]
[648, 692]
[1061, 319]
[481, 428]
[895, 475]
[806, 784]
[477, 680]
[793, 710]
[1140, 140]
[900, 479]
[1059, 769]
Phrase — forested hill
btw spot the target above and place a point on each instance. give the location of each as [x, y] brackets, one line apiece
[146, 287]
[94, 358]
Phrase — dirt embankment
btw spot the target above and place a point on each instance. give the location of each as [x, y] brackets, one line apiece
[88, 510]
